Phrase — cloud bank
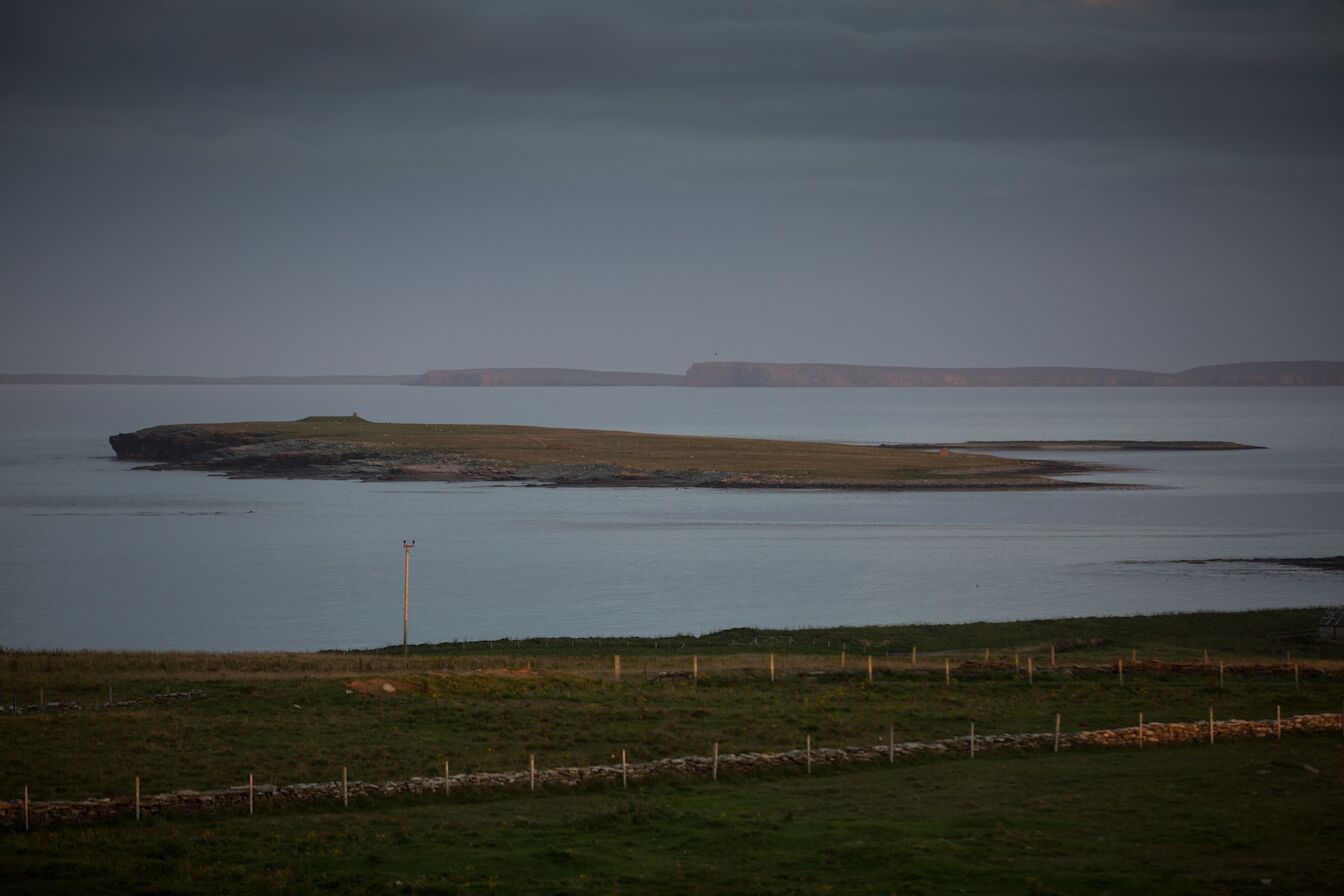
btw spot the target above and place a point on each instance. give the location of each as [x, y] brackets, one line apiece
[996, 179]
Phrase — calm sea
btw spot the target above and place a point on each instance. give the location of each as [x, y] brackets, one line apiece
[94, 554]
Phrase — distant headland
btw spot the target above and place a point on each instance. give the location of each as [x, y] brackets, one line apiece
[755, 374]
[545, 376]
[1266, 373]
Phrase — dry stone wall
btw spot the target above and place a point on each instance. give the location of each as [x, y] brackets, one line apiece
[1155, 733]
[16, 709]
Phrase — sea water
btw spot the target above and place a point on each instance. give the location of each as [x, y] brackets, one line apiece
[95, 554]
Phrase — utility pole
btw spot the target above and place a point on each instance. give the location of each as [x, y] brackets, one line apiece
[406, 604]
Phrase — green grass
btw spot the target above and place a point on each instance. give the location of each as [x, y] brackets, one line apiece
[286, 722]
[1248, 633]
[1235, 818]
[1171, 820]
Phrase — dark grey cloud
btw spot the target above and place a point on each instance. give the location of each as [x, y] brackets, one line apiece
[203, 187]
[1254, 77]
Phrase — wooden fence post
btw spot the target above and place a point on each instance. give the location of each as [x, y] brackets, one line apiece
[695, 668]
[1133, 655]
[714, 774]
[842, 661]
[772, 667]
[345, 786]
[1056, 732]
[1140, 731]
[914, 655]
[251, 793]
[1278, 722]
[531, 771]
[25, 807]
[870, 667]
[891, 744]
[624, 768]
[1210, 724]
[1031, 678]
[1017, 664]
[137, 797]
[809, 754]
[1120, 669]
[972, 740]
[1052, 656]
[986, 658]
[1296, 680]
[1206, 656]
[947, 671]
[446, 785]
[616, 667]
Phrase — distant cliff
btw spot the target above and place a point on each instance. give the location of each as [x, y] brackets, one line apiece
[545, 376]
[1268, 373]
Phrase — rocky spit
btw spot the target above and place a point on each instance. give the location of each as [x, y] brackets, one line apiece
[49, 812]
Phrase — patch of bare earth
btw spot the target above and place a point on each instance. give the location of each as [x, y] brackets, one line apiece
[381, 687]
[505, 672]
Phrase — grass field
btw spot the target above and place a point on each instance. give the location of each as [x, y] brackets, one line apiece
[1235, 818]
[301, 717]
[1189, 820]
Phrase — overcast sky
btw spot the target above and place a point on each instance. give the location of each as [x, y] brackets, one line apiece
[337, 187]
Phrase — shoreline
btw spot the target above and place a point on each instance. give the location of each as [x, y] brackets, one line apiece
[1071, 445]
[1325, 564]
[577, 478]
[1264, 631]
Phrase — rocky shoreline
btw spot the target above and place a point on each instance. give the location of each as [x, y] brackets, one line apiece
[16, 814]
[1328, 564]
[1083, 445]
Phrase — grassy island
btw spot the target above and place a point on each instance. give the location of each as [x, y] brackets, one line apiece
[355, 448]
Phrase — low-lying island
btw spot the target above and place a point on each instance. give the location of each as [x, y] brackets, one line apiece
[355, 448]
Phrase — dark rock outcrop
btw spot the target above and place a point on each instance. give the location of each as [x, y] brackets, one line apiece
[174, 445]
[247, 455]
